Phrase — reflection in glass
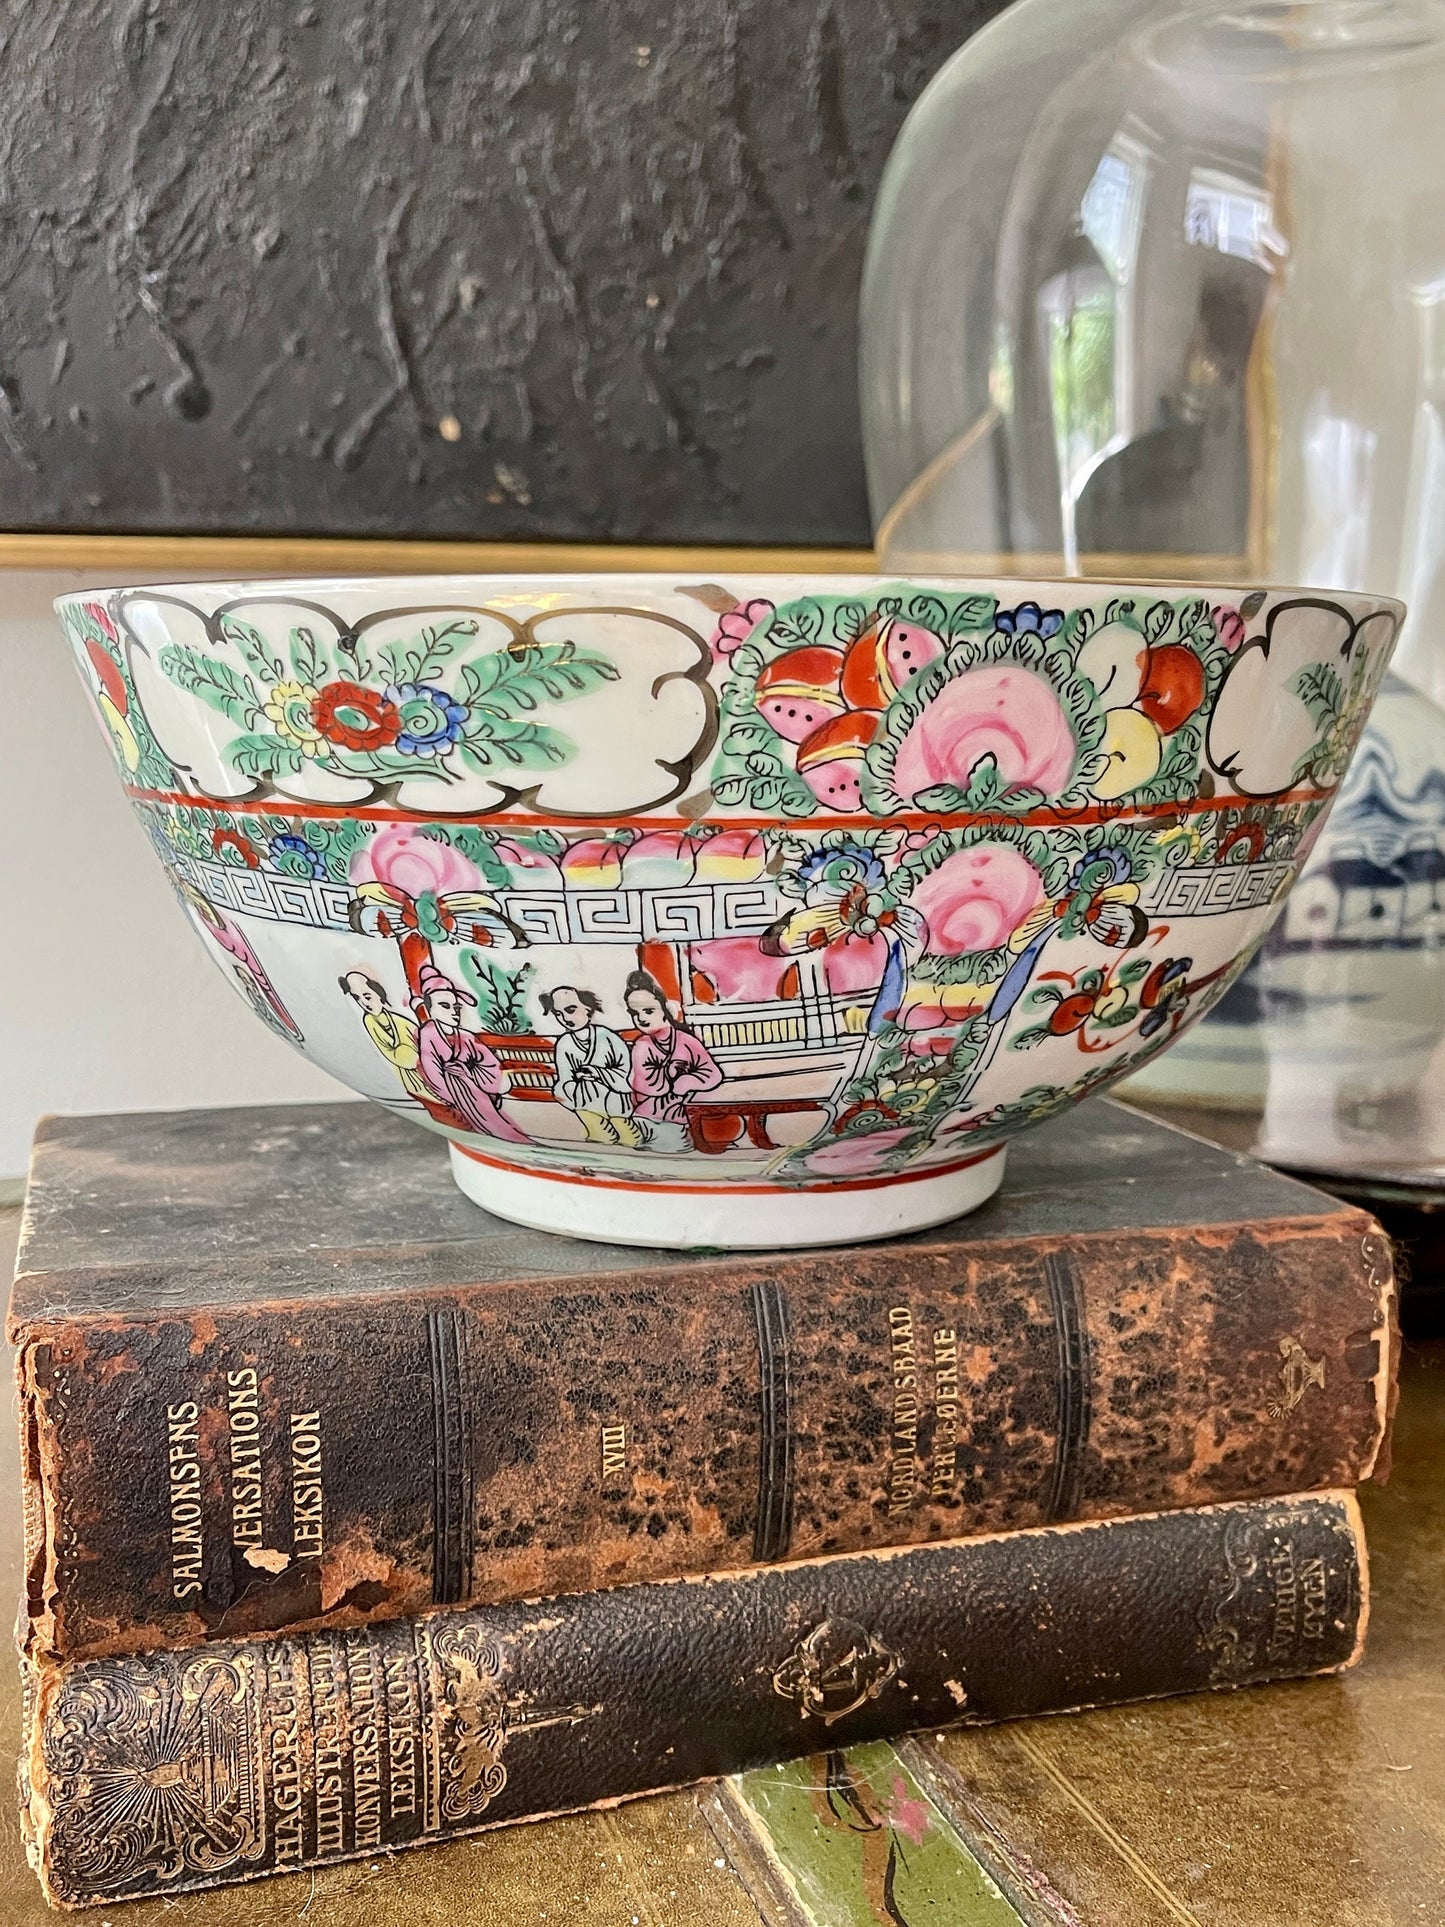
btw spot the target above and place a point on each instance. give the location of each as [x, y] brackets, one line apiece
[1157, 290]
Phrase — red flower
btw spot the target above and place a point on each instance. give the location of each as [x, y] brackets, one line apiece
[229, 840]
[356, 718]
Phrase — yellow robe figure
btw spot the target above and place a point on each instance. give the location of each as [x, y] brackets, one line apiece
[395, 1037]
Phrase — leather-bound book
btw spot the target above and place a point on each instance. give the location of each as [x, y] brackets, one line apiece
[278, 1374]
[153, 1773]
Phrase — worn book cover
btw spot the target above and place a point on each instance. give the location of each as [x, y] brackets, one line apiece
[277, 1373]
[154, 1773]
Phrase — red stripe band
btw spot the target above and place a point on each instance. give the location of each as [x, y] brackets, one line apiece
[722, 1188]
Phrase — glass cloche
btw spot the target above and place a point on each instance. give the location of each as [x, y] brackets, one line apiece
[1159, 289]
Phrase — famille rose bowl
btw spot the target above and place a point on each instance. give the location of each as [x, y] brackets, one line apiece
[755, 913]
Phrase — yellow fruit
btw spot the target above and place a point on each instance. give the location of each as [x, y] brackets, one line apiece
[1133, 746]
[122, 732]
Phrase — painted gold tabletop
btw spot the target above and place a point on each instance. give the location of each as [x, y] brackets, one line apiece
[1311, 1805]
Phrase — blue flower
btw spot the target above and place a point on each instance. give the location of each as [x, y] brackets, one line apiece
[842, 867]
[295, 857]
[431, 720]
[1030, 620]
[1086, 869]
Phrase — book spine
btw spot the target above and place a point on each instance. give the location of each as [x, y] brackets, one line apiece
[240, 1469]
[156, 1773]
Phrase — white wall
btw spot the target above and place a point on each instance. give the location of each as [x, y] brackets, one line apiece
[107, 1000]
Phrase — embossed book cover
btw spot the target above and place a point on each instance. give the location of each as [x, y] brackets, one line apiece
[276, 1373]
[158, 1772]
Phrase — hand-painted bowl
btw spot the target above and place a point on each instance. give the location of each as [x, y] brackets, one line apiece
[747, 914]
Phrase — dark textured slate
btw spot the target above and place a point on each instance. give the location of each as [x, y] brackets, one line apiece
[255, 256]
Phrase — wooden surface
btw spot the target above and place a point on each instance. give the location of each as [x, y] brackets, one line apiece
[1319, 1805]
[180, 557]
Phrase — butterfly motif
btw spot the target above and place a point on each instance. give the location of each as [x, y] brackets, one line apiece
[459, 916]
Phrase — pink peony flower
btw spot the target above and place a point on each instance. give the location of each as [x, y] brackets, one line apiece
[412, 863]
[1002, 711]
[737, 625]
[850, 1157]
[977, 898]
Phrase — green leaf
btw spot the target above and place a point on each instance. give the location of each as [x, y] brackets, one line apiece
[849, 621]
[474, 844]
[1320, 690]
[1157, 622]
[796, 623]
[985, 787]
[730, 791]
[435, 646]
[215, 682]
[974, 612]
[1027, 1039]
[500, 993]
[308, 661]
[515, 745]
[509, 683]
[342, 842]
[1132, 972]
[252, 647]
[744, 736]
[1196, 618]
[263, 756]
[929, 612]
[945, 798]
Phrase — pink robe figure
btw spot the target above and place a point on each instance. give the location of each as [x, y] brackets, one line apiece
[669, 1066]
[463, 1073]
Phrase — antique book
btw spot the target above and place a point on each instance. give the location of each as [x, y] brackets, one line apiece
[277, 1374]
[150, 1773]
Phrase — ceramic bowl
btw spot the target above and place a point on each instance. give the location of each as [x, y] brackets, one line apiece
[760, 913]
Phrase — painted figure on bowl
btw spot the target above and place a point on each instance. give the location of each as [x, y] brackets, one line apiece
[456, 1066]
[392, 1031]
[669, 1065]
[594, 1070]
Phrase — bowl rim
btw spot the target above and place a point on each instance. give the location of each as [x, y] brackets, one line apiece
[667, 581]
